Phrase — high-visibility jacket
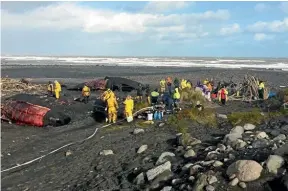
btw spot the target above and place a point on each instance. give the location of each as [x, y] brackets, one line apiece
[50, 87]
[176, 94]
[129, 104]
[261, 86]
[205, 82]
[154, 94]
[86, 91]
[188, 85]
[162, 83]
[112, 103]
[183, 84]
[109, 94]
[57, 87]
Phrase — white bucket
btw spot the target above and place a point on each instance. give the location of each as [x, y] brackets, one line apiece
[150, 116]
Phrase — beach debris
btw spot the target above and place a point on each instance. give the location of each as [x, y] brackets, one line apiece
[67, 153]
[106, 152]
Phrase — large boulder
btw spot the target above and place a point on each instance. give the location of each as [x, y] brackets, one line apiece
[245, 170]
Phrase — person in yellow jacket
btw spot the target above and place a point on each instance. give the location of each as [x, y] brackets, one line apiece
[162, 86]
[112, 107]
[183, 84]
[205, 81]
[176, 97]
[129, 106]
[50, 88]
[107, 94]
[261, 87]
[86, 93]
[57, 89]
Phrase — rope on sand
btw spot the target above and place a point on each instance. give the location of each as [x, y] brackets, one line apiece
[69, 144]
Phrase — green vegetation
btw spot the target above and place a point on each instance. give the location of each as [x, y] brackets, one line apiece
[192, 96]
[241, 118]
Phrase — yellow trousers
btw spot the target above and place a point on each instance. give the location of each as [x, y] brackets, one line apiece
[57, 94]
[112, 114]
[149, 100]
[128, 113]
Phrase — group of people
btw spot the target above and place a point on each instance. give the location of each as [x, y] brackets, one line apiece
[55, 90]
[112, 107]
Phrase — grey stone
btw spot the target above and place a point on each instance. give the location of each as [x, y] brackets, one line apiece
[217, 164]
[106, 152]
[194, 169]
[223, 116]
[242, 185]
[282, 151]
[152, 173]
[161, 124]
[260, 143]
[248, 132]
[274, 162]
[68, 153]
[209, 188]
[234, 182]
[207, 163]
[232, 176]
[281, 137]
[231, 156]
[167, 188]
[285, 128]
[262, 135]
[139, 179]
[188, 141]
[230, 138]
[142, 149]
[237, 130]
[248, 127]
[190, 153]
[164, 157]
[200, 183]
[162, 177]
[275, 132]
[176, 181]
[240, 144]
[191, 178]
[221, 147]
[187, 166]
[212, 179]
[137, 131]
[210, 148]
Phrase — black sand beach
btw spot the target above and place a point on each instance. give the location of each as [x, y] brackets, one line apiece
[85, 169]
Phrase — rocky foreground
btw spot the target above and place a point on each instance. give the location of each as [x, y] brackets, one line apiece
[249, 157]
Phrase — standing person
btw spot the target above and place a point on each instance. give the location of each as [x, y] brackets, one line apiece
[176, 97]
[129, 106]
[86, 93]
[154, 97]
[140, 93]
[223, 95]
[169, 85]
[57, 89]
[112, 107]
[50, 89]
[148, 94]
[261, 87]
[176, 83]
[162, 86]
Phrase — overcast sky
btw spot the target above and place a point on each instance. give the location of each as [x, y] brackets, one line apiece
[252, 29]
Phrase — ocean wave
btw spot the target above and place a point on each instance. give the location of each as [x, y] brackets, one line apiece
[146, 61]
